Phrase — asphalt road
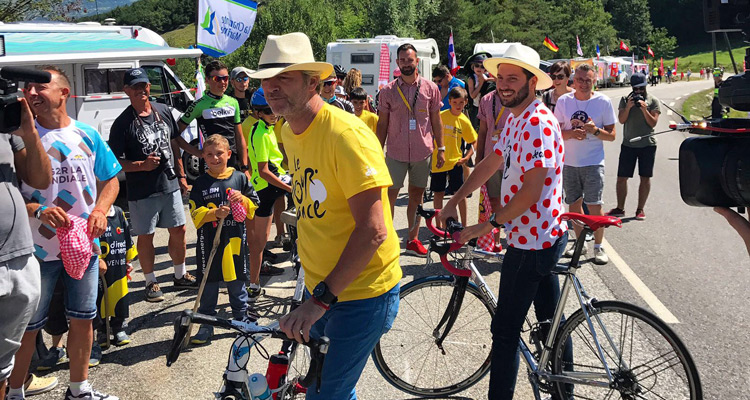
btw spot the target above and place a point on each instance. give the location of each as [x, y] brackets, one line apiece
[687, 258]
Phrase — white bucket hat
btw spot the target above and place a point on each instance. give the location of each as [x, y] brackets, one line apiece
[524, 57]
[290, 52]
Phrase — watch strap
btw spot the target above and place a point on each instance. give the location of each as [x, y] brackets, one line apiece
[493, 222]
[320, 303]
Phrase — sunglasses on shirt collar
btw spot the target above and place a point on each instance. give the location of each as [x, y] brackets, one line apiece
[222, 78]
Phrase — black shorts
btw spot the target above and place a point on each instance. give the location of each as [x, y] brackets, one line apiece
[645, 157]
[452, 179]
[267, 197]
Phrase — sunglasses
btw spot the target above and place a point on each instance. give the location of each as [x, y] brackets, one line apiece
[266, 110]
[242, 79]
[329, 83]
[558, 77]
[217, 78]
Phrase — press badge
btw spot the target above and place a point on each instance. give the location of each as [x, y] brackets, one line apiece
[412, 124]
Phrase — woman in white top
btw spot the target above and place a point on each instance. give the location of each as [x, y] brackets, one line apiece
[560, 74]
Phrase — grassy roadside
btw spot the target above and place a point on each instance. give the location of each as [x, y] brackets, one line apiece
[697, 61]
[698, 106]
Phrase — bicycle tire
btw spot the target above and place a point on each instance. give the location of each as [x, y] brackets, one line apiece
[399, 346]
[646, 344]
[299, 362]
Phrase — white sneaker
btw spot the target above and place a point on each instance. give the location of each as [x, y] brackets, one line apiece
[569, 253]
[600, 257]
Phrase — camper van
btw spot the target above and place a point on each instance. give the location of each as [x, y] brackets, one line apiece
[95, 58]
[364, 55]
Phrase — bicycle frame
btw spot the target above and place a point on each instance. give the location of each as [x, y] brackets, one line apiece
[537, 374]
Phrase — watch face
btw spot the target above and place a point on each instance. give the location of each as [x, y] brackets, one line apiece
[319, 290]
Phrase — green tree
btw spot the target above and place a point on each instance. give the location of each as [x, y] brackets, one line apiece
[632, 20]
[662, 43]
[23, 10]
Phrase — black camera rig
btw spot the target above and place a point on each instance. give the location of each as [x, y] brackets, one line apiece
[10, 108]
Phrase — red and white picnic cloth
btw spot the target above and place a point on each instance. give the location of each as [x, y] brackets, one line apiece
[239, 213]
[75, 246]
[486, 242]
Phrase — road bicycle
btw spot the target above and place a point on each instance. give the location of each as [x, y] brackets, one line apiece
[235, 380]
[440, 343]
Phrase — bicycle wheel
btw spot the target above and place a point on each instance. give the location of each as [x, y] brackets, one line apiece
[299, 362]
[408, 356]
[646, 358]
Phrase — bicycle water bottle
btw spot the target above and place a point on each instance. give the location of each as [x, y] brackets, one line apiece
[258, 387]
[278, 365]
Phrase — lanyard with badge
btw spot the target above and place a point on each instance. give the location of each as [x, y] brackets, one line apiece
[495, 135]
[411, 107]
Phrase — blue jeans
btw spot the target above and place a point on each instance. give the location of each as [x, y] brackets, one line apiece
[80, 295]
[525, 278]
[237, 298]
[354, 327]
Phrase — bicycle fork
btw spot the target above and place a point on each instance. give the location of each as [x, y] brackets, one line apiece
[451, 312]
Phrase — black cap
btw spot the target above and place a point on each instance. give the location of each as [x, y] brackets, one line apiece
[638, 80]
[135, 76]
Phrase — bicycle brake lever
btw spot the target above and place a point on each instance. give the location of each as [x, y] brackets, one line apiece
[441, 249]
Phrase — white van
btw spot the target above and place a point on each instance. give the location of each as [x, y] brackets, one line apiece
[95, 58]
[364, 55]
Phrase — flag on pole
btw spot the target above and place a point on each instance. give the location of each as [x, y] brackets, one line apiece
[579, 51]
[650, 52]
[632, 63]
[548, 43]
[661, 65]
[200, 87]
[226, 25]
[623, 46]
[675, 63]
[385, 66]
[598, 53]
[452, 63]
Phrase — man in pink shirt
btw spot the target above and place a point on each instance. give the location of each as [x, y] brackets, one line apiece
[409, 121]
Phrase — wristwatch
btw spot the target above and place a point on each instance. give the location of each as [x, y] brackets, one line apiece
[441, 148]
[493, 222]
[597, 132]
[323, 294]
[244, 168]
[38, 212]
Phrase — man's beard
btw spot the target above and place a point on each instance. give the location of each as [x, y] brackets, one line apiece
[407, 71]
[519, 98]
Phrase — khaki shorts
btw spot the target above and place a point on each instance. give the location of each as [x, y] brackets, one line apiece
[494, 184]
[418, 171]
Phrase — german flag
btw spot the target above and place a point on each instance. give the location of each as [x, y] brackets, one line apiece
[548, 43]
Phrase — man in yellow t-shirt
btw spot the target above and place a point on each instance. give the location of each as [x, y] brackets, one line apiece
[456, 127]
[358, 97]
[347, 244]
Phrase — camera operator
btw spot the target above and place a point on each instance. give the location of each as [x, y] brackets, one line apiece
[143, 137]
[638, 113]
[21, 157]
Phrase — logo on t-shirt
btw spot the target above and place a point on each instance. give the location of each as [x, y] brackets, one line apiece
[309, 193]
[579, 119]
[215, 113]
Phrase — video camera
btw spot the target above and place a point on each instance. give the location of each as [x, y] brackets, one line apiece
[715, 167]
[10, 108]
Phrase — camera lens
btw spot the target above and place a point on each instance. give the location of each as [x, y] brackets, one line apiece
[736, 173]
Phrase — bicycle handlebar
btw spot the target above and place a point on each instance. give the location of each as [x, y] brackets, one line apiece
[319, 346]
[453, 227]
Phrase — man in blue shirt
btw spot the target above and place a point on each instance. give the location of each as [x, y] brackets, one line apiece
[442, 77]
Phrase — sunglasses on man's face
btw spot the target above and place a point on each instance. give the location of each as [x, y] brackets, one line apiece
[558, 77]
[222, 78]
[329, 83]
[242, 79]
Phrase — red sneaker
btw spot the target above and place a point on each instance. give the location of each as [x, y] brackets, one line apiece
[616, 212]
[415, 248]
[640, 215]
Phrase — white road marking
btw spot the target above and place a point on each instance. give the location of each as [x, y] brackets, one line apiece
[678, 97]
[671, 104]
[646, 294]
[669, 112]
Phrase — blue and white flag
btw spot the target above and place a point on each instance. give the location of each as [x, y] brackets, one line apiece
[224, 25]
[598, 53]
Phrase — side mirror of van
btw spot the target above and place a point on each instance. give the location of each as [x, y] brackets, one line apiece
[180, 101]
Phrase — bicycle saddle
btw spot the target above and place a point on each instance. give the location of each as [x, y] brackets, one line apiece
[593, 221]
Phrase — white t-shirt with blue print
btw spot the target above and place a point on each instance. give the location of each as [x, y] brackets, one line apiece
[79, 157]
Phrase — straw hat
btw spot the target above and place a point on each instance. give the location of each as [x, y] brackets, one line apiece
[524, 57]
[290, 52]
